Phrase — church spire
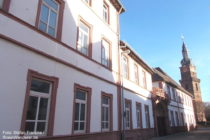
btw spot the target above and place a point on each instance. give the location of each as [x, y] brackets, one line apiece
[186, 60]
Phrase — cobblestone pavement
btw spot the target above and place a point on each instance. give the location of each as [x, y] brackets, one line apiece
[200, 134]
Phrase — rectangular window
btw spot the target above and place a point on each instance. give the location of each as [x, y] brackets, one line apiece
[83, 39]
[127, 114]
[106, 113]
[1, 4]
[169, 91]
[147, 116]
[37, 115]
[144, 79]
[136, 74]
[174, 94]
[125, 67]
[105, 52]
[182, 119]
[138, 115]
[49, 17]
[172, 119]
[80, 111]
[106, 13]
[177, 119]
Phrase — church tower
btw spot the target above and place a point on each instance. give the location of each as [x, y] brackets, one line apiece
[191, 83]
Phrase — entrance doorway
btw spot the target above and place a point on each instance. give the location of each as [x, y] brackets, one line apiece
[161, 119]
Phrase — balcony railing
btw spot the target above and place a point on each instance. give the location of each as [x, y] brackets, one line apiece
[159, 92]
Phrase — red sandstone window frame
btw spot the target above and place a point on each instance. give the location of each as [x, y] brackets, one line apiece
[127, 67]
[129, 102]
[6, 5]
[110, 96]
[81, 20]
[146, 107]
[136, 73]
[144, 75]
[110, 53]
[88, 91]
[141, 124]
[59, 19]
[108, 12]
[54, 80]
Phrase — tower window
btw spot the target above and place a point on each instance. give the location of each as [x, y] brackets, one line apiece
[186, 86]
[196, 86]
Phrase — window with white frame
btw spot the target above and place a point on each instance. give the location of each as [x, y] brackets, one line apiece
[127, 115]
[136, 73]
[106, 13]
[172, 119]
[177, 119]
[105, 49]
[49, 17]
[182, 119]
[83, 38]
[147, 116]
[38, 106]
[105, 113]
[125, 67]
[144, 79]
[80, 111]
[139, 115]
[169, 91]
[1, 3]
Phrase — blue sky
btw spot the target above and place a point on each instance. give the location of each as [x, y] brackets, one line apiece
[154, 28]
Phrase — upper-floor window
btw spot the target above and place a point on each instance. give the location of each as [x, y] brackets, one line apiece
[136, 73]
[128, 115]
[49, 17]
[138, 115]
[83, 39]
[144, 79]
[177, 118]
[169, 91]
[147, 116]
[106, 113]
[106, 12]
[125, 66]
[1, 4]
[174, 93]
[105, 53]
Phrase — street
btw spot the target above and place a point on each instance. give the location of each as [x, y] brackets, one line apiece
[200, 134]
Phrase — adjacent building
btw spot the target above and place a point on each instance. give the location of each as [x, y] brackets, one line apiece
[173, 105]
[191, 83]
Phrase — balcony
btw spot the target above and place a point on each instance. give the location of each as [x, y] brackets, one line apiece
[159, 92]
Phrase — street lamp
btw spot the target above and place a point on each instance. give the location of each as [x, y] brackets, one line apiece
[122, 93]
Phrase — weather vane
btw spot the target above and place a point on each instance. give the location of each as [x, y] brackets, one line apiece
[182, 37]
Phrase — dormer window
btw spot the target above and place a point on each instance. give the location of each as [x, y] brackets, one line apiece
[106, 13]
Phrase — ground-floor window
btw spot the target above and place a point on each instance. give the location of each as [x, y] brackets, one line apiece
[147, 116]
[81, 109]
[39, 108]
[106, 112]
[139, 115]
[128, 116]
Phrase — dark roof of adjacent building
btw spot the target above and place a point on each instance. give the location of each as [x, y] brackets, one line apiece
[118, 5]
[160, 75]
[136, 56]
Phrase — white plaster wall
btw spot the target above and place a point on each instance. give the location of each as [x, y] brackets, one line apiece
[13, 87]
[25, 10]
[144, 101]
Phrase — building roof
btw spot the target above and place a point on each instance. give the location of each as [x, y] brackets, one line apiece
[118, 5]
[136, 56]
[160, 75]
